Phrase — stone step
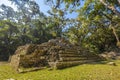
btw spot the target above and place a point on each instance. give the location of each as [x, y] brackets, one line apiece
[60, 65]
[67, 52]
[72, 58]
[70, 55]
[70, 50]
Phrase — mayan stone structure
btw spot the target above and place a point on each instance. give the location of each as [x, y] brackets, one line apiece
[56, 53]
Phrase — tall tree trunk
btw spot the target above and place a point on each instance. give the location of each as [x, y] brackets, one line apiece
[116, 36]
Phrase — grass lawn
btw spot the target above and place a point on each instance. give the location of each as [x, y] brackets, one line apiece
[82, 72]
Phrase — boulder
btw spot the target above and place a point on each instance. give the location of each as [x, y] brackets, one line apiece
[110, 55]
[112, 64]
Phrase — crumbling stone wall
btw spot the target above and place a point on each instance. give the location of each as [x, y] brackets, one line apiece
[56, 53]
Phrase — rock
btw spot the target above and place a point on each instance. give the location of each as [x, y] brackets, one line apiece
[112, 63]
[110, 55]
[117, 58]
[10, 79]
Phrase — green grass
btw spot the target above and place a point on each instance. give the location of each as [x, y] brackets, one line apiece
[81, 72]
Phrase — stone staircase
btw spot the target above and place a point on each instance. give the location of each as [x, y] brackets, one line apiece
[56, 53]
[71, 57]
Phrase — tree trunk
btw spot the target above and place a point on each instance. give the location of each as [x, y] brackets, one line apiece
[116, 36]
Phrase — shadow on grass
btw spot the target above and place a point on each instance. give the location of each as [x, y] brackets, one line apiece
[105, 62]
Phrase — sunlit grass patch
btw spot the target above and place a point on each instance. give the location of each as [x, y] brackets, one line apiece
[94, 71]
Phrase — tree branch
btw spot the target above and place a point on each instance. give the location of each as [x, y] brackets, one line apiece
[110, 7]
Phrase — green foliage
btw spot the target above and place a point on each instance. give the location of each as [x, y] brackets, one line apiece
[28, 25]
[91, 29]
[8, 38]
[93, 24]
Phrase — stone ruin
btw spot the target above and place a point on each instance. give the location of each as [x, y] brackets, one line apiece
[56, 53]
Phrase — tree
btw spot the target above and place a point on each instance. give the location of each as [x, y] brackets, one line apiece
[8, 38]
[7, 13]
[24, 26]
[97, 16]
[112, 5]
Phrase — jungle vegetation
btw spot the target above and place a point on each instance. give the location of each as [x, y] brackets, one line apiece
[96, 28]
